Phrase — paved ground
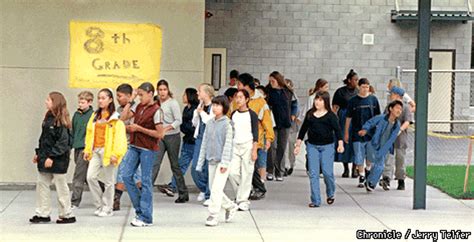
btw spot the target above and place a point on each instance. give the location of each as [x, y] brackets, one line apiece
[282, 216]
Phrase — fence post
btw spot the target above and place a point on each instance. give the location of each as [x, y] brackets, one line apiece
[469, 157]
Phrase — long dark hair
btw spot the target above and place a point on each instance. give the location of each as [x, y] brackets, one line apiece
[318, 85]
[282, 83]
[280, 79]
[59, 110]
[191, 96]
[110, 108]
[164, 83]
[326, 98]
[349, 76]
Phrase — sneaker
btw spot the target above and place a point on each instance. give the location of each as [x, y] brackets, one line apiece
[279, 178]
[211, 221]
[37, 219]
[369, 187]
[104, 213]
[244, 206]
[230, 213]
[97, 211]
[269, 177]
[361, 182]
[206, 203]
[69, 220]
[401, 184]
[385, 183]
[138, 223]
[290, 171]
[201, 197]
[257, 196]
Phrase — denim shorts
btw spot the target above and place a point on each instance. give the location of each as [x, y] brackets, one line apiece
[261, 158]
[360, 152]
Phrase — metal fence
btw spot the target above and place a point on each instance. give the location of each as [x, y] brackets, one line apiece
[450, 124]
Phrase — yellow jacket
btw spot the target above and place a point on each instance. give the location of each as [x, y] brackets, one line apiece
[265, 125]
[115, 139]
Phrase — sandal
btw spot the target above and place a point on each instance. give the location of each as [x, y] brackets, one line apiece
[330, 200]
[312, 205]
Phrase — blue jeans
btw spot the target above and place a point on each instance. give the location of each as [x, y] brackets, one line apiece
[321, 157]
[360, 152]
[201, 179]
[137, 177]
[185, 158]
[142, 200]
[378, 164]
[261, 158]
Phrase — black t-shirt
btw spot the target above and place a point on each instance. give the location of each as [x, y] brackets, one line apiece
[362, 109]
[343, 95]
[320, 130]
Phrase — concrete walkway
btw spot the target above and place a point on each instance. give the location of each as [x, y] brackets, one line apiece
[282, 216]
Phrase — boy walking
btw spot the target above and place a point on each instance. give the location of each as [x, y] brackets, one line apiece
[79, 123]
[386, 128]
[401, 145]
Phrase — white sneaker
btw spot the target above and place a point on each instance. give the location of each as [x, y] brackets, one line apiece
[138, 223]
[201, 197]
[244, 206]
[206, 203]
[211, 221]
[104, 213]
[230, 213]
[97, 211]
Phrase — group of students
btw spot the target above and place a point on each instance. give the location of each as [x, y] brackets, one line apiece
[242, 136]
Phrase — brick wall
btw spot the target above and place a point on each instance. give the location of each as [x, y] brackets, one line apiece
[307, 40]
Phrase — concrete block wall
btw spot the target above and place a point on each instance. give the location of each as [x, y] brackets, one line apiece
[309, 39]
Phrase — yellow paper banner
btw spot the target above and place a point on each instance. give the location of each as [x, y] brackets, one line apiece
[108, 54]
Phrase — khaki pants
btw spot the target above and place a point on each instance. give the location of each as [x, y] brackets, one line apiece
[241, 171]
[104, 199]
[217, 181]
[43, 195]
[395, 162]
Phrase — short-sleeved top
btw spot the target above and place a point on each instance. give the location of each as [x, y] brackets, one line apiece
[343, 95]
[360, 110]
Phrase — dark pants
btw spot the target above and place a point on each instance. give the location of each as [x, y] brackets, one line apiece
[80, 176]
[171, 144]
[257, 183]
[277, 150]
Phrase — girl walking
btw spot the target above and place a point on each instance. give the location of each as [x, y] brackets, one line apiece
[321, 125]
[106, 144]
[217, 148]
[52, 159]
[244, 150]
[172, 140]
